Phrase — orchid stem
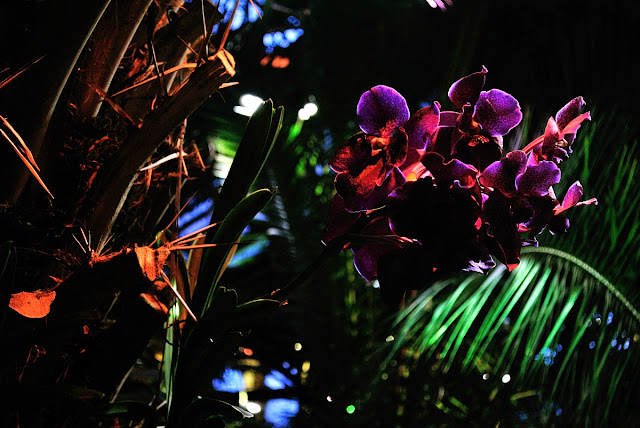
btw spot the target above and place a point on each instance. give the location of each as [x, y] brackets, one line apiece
[333, 248]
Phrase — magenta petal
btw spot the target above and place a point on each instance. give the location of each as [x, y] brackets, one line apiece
[500, 234]
[354, 155]
[537, 179]
[551, 149]
[497, 112]
[445, 140]
[339, 220]
[569, 131]
[381, 110]
[447, 173]
[569, 112]
[361, 193]
[449, 118]
[551, 135]
[365, 257]
[467, 89]
[501, 175]
[573, 195]
[572, 198]
[422, 125]
[396, 150]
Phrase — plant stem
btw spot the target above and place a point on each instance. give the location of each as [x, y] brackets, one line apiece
[332, 249]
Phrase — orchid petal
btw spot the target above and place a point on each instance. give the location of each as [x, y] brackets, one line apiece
[449, 118]
[537, 179]
[502, 174]
[467, 89]
[365, 257]
[422, 126]
[448, 173]
[353, 156]
[339, 220]
[361, 193]
[569, 131]
[572, 198]
[569, 112]
[497, 112]
[381, 110]
[500, 234]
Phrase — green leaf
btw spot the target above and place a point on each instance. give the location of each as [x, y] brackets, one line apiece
[216, 259]
[257, 143]
[550, 300]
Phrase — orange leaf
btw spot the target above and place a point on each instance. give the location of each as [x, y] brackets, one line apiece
[34, 304]
[152, 260]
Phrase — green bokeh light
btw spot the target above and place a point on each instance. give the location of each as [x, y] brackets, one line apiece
[351, 408]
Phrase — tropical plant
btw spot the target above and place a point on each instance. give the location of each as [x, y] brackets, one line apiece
[94, 158]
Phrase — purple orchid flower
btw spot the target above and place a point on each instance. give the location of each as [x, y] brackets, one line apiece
[368, 164]
[560, 132]
[521, 199]
[420, 197]
[474, 133]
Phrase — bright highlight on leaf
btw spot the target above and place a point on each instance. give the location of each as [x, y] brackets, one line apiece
[22, 150]
[36, 304]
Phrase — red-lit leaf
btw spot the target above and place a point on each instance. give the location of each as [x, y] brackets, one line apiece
[34, 304]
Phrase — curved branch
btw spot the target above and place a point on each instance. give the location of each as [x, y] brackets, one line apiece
[584, 266]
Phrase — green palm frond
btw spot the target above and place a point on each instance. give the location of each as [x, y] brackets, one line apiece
[554, 325]
[557, 324]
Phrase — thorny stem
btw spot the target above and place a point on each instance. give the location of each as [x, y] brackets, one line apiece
[587, 268]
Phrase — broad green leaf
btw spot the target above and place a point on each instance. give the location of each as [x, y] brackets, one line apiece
[257, 143]
[216, 259]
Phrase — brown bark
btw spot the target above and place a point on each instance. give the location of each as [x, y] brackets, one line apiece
[105, 51]
[116, 178]
[29, 101]
[171, 43]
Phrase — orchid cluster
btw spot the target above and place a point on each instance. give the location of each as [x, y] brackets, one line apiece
[424, 195]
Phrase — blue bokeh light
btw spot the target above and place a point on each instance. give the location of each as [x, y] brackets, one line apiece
[293, 34]
[279, 411]
[232, 381]
[276, 380]
[293, 21]
[281, 39]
